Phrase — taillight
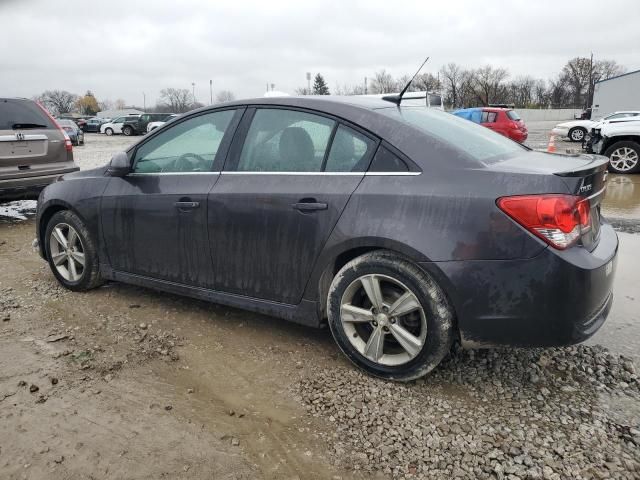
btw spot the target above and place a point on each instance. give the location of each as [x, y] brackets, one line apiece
[68, 146]
[559, 220]
[67, 141]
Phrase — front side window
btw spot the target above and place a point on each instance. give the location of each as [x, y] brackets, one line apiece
[189, 146]
[281, 140]
[350, 151]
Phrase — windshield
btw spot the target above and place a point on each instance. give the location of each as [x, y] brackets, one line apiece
[17, 113]
[477, 141]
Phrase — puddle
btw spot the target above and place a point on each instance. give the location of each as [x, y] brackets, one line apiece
[622, 198]
[19, 210]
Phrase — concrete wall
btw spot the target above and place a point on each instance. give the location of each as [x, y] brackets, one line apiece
[536, 115]
[615, 94]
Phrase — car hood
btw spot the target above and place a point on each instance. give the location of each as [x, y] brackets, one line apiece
[576, 123]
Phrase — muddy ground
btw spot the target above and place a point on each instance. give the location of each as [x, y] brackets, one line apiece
[123, 382]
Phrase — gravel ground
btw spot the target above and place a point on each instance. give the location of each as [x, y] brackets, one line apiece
[123, 382]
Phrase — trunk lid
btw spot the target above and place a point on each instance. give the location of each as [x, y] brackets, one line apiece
[584, 175]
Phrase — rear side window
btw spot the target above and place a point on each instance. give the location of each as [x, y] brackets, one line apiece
[513, 115]
[479, 143]
[387, 161]
[282, 140]
[350, 151]
[19, 114]
[489, 117]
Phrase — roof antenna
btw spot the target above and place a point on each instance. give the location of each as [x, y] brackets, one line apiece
[398, 98]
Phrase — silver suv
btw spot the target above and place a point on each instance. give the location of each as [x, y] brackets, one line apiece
[34, 150]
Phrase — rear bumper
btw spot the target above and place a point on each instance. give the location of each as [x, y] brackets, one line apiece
[28, 188]
[556, 298]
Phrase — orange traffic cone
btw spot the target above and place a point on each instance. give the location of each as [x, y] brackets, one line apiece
[551, 148]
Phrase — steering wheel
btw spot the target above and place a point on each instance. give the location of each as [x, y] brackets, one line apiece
[189, 162]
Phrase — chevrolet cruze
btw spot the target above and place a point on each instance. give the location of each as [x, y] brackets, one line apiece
[403, 229]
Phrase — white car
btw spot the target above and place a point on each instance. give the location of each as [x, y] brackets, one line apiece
[577, 129]
[620, 142]
[154, 125]
[115, 126]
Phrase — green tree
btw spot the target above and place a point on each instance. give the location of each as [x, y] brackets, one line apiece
[320, 86]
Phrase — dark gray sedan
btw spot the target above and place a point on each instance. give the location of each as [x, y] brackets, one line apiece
[402, 228]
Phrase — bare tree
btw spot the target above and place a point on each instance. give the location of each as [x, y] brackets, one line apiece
[120, 104]
[58, 101]
[179, 100]
[105, 105]
[225, 96]
[382, 82]
[488, 85]
[577, 74]
[452, 75]
[348, 89]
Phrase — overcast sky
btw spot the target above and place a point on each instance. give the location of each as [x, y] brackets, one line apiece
[120, 49]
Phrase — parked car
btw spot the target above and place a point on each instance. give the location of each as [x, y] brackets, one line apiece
[80, 122]
[94, 124]
[153, 125]
[620, 142]
[34, 150]
[576, 130]
[75, 133]
[401, 228]
[115, 126]
[138, 125]
[504, 121]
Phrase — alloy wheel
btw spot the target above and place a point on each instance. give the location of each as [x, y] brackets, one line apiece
[67, 252]
[383, 320]
[577, 135]
[624, 159]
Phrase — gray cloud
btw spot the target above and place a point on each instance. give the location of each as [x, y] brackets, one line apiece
[121, 48]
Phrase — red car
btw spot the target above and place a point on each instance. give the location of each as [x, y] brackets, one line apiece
[502, 120]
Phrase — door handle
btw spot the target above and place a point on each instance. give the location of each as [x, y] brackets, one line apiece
[186, 205]
[309, 206]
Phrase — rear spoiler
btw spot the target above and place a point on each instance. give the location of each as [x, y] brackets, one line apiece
[597, 164]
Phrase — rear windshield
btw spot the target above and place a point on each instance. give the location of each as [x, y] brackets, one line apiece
[513, 115]
[22, 114]
[477, 141]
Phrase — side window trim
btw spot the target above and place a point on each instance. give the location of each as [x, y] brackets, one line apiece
[411, 165]
[220, 154]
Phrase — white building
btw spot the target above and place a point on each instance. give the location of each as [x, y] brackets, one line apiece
[615, 94]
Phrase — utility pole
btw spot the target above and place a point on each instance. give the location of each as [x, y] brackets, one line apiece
[144, 102]
[365, 85]
[273, 87]
[211, 92]
[308, 83]
[193, 86]
[589, 101]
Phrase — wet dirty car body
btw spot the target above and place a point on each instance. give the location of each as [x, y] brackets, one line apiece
[274, 241]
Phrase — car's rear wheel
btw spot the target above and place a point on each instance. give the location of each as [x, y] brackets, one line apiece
[127, 131]
[108, 131]
[71, 252]
[576, 134]
[389, 316]
[624, 157]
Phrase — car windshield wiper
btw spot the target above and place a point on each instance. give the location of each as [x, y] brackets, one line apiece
[27, 125]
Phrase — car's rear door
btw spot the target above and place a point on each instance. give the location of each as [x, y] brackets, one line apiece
[154, 220]
[30, 142]
[287, 180]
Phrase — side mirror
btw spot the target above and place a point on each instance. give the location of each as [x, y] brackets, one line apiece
[119, 166]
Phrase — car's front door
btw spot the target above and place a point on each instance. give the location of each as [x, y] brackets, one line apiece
[288, 178]
[154, 220]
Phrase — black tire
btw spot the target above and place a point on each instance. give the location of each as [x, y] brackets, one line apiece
[108, 131]
[440, 323]
[127, 131]
[90, 276]
[609, 152]
[578, 133]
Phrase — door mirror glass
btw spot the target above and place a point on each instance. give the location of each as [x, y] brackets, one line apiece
[119, 165]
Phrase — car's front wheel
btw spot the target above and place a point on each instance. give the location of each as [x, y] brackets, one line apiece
[577, 134]
[389, 316]
[109, 131]
[71, 252]
[624, 157]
